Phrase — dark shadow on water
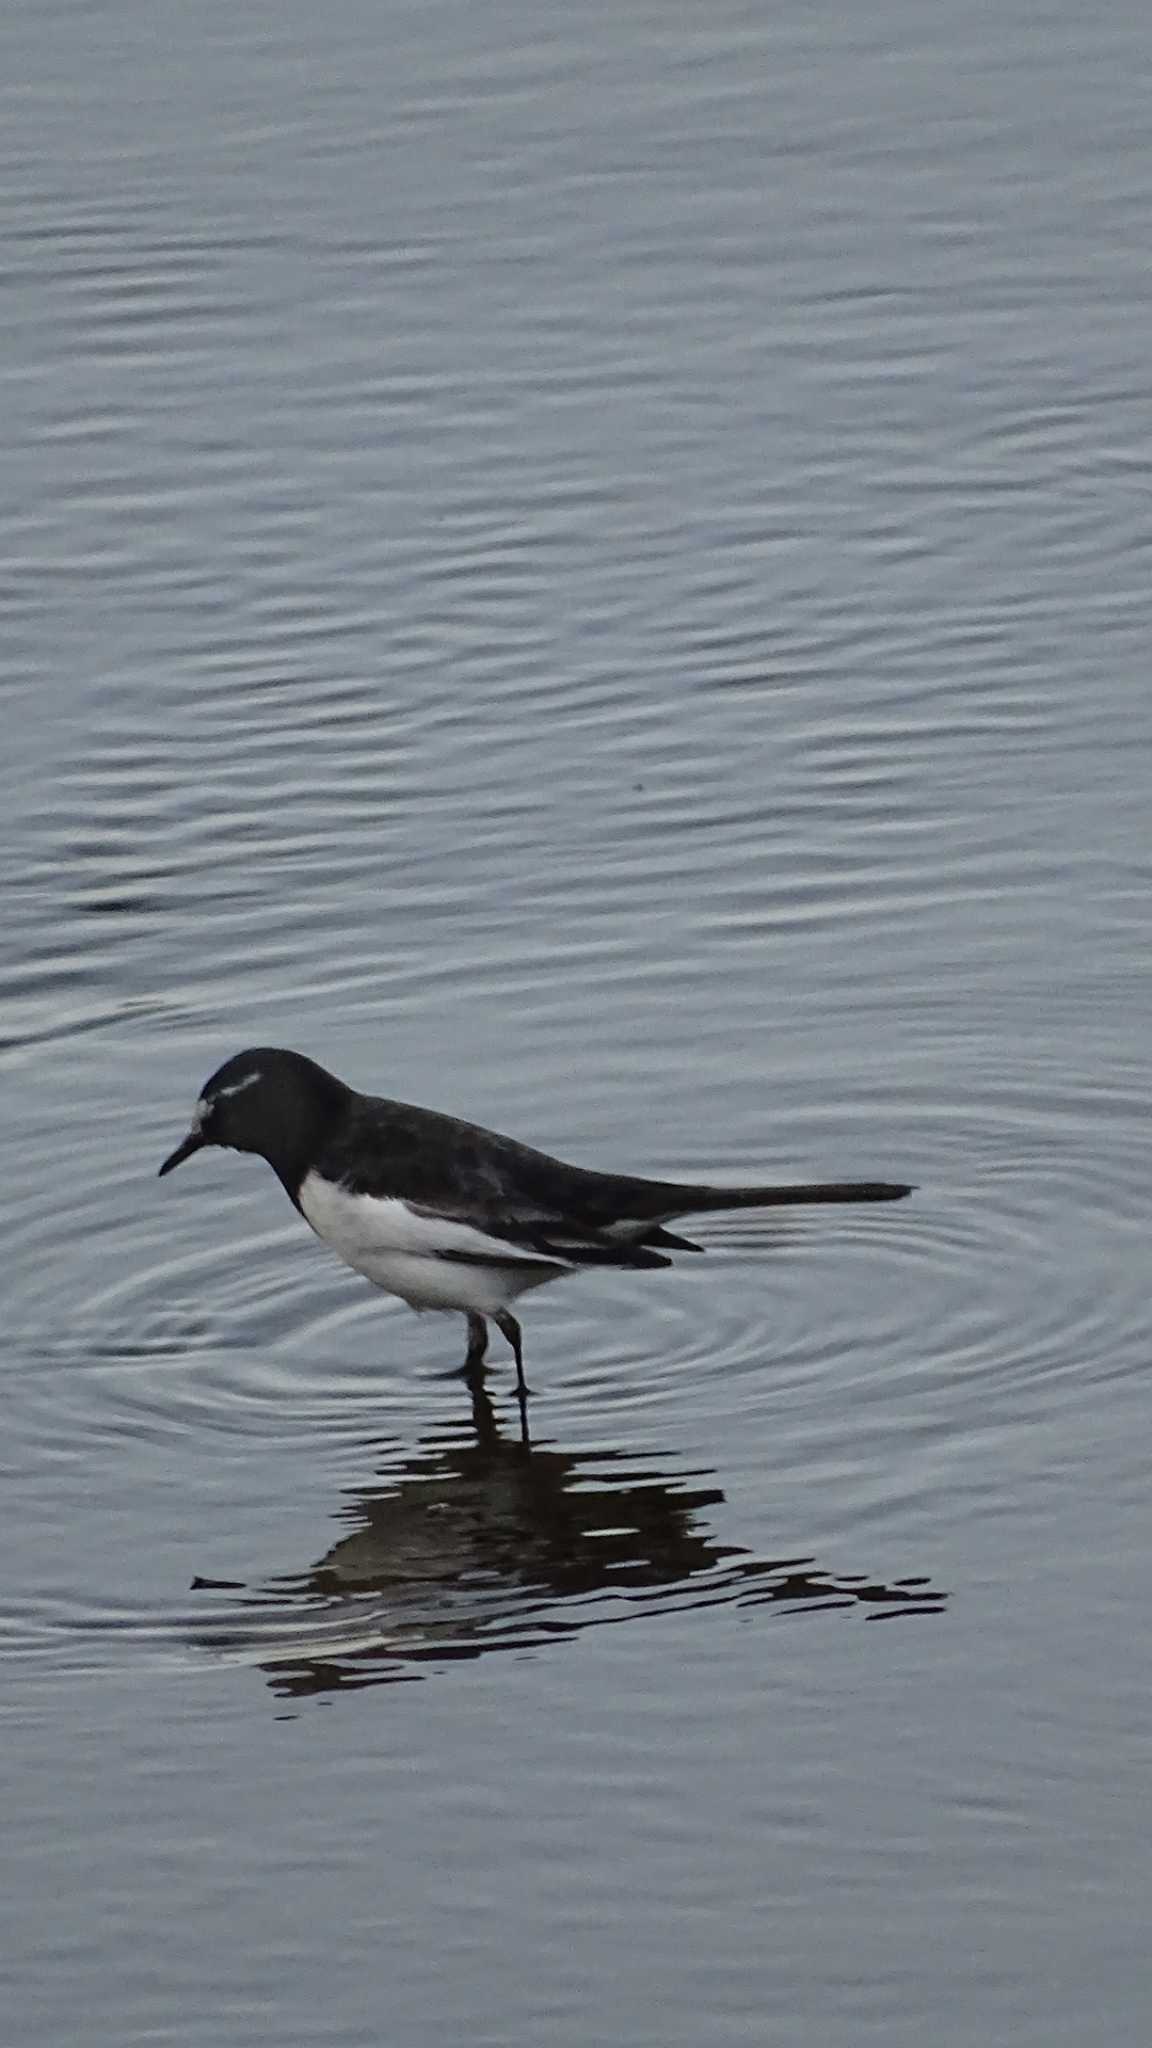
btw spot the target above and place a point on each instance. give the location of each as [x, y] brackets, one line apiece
[484, 1543]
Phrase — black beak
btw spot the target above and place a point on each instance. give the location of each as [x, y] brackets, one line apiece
[192, 1143]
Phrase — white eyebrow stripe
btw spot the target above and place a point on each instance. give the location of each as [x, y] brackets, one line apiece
[237, 1086]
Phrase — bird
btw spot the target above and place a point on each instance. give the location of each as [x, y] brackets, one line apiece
[446, 1214]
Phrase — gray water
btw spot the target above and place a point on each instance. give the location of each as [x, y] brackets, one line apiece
[588, 568]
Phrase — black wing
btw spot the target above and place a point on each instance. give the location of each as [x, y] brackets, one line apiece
[542, 1209]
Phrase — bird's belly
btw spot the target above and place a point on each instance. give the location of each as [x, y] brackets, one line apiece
[404, 1252]
[437, 1283]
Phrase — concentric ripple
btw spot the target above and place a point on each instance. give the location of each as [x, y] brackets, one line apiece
[196, 1350]
[477, 1544]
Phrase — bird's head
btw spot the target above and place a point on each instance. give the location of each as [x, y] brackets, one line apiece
[265, 1100]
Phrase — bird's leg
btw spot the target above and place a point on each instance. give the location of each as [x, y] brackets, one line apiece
[483, 1418]
[477, 1344]
[525, 1434]
[510, 1328]
[488, 1436]
[473, 1366]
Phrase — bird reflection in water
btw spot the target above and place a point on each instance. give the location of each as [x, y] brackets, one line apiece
[489, 1543]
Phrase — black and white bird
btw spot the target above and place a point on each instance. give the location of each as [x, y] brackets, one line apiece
[445, 1214]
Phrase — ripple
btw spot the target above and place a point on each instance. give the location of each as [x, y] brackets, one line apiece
[477, 1544]
[469, 1543]
[1007, 1275]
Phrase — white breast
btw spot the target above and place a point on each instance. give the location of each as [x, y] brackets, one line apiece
[400, 1250]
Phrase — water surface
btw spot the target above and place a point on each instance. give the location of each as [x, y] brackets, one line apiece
[589, 570]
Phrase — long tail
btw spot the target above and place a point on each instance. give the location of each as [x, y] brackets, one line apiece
[695, 1200]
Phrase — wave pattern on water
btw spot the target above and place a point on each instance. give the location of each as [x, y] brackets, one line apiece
[588, 568]
[473, 1543]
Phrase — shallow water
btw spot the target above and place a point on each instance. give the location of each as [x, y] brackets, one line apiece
[590, 571]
